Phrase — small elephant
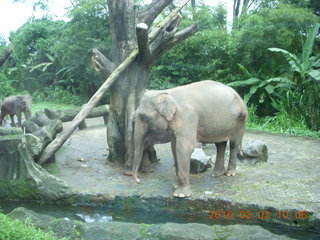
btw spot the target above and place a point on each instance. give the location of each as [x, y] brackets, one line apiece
[206, 111]
[16, 105]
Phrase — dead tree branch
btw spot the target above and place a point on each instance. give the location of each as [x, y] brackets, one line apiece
[143, 44]
[158, 48]
[5, 56]
[101, 63]
[149, 13]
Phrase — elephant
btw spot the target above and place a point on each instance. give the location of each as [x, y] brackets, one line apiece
[205, 111]
[149, 152]
[15, 105]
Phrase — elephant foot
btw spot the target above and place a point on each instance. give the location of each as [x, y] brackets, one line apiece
[147, 169]
[230, 173]
[216, 173]
[128, 173]
[182, 192]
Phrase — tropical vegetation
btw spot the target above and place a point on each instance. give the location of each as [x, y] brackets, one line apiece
[270, 54]
[15, 230]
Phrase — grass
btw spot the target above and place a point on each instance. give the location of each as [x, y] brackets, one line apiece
[15, 230]
[281, 123]
[51, 105]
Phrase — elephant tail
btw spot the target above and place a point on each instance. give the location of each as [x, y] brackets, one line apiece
[241, 149]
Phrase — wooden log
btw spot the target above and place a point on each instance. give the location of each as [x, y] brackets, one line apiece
[68, 115]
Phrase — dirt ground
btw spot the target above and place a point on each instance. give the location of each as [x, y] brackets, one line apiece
[289, 180]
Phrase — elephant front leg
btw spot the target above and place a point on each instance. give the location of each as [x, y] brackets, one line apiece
[13, 124]
[183, 154]
[219, 169]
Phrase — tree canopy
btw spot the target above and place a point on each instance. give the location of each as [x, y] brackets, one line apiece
[53, 56]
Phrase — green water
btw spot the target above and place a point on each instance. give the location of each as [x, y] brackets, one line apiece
[107, 214]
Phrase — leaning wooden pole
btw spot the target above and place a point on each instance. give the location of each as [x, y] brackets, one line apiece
[54, 146]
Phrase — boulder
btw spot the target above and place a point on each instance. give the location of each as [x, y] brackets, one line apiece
[30, 126]
[60, 227]
[176, 231]
[40, 119]
[111, 231]
[200, 162]
[254, 152]
[10, 131]
[35, 144]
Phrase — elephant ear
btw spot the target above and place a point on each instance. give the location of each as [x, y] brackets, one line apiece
[21, 102]
[167, 106]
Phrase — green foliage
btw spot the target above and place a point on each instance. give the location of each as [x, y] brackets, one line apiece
[53, 60]
[57, 95]
[5, 87]
[282, 122]
[306, 71]
[282, 27]
[32, 44]
[51, 105]
[261, 91]
[15, 230]
[88, 29]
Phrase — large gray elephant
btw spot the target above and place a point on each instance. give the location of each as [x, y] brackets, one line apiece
[16, 105]
[206, 111]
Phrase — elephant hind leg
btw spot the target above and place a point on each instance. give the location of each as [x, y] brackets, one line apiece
[231, 171]
[219, 169]
[234, 145]
[3, 114]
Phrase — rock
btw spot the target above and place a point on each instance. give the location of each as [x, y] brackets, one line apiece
[111, 231]
[52, 114]
[10, 131]
[48, 132]
[35, 144]
[40, 119]
[60, 227]
[176, 231]
[238, 231]
[38, 220]
[254, 152]
[199, 161]
[30, 126]
[9, 157]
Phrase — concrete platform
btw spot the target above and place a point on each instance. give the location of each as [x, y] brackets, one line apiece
[285, 190]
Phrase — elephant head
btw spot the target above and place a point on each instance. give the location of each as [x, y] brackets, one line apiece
[152, 123]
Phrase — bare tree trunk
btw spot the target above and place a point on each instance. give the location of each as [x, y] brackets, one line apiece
[126, 93]
[5, 56]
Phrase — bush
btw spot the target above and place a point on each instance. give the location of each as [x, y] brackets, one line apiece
[5, 87]
[57, 95]
[16, 230]
[282, 122]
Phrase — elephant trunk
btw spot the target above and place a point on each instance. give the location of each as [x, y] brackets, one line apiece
[139, 137]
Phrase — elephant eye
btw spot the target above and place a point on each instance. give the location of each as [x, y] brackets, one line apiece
[144, 117]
